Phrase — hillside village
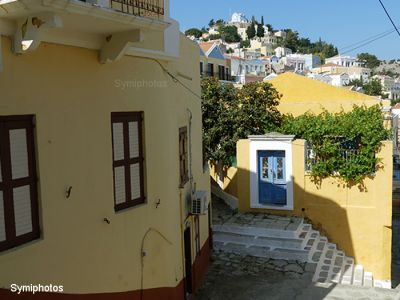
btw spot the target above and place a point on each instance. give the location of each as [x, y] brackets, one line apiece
[245, 50]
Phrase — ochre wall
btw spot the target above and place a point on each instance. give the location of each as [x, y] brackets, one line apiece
[357, 219]
[72, 96]
[301, 94]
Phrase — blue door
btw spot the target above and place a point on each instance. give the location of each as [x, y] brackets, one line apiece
[272, 178]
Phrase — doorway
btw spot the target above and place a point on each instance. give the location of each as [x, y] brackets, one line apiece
[188, 261]
[272, 178]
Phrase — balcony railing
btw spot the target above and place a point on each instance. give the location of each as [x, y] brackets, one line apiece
[348, 150]
[144, 8]
[220, 76]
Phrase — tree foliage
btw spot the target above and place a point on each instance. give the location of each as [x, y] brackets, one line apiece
[245, 44]
[211, 23]
[344, 144]
[304, 45]
[260, 30]
[197, 33]
[230, 114]
[371, 61]
[373, 88]
[251, 31]
[213, 37]
[230, 34]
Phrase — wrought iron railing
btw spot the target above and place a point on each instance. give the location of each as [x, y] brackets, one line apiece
[220, 76]
[348, 152]
[143, 8]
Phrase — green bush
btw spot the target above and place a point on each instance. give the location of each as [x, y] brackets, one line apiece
[344, 144]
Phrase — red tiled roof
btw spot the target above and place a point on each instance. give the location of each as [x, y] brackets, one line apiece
[205, 46]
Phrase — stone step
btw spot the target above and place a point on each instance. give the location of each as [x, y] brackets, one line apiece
[249, 240]
[280, 231]
[287, 238]
[368, 279]
[358, 277]
[305, 235]
[259, 251]
[383, 284]
[312, 244]
[348, 271]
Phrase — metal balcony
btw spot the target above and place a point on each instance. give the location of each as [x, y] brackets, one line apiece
[144, 8]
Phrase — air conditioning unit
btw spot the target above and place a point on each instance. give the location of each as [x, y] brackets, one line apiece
[199, 203]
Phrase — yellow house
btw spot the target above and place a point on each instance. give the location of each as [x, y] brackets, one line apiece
[212, 61]
[301, 94]
[355, 72]
[357, 219]
[101, 160]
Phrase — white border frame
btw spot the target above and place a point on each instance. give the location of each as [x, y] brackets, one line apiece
[270, 142]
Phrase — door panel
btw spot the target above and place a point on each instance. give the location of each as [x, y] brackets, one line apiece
[272, 177]
[188, 261]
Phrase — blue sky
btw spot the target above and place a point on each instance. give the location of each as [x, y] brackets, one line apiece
[341, 22]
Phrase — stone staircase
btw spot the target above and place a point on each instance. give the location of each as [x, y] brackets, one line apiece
[284, 238]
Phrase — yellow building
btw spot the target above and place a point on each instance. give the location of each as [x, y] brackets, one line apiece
[213, 62]
[301, 94]
[356, 218]
[100, 134]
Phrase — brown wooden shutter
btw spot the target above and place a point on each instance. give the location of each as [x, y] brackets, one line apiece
[19, 218]
[128, 159]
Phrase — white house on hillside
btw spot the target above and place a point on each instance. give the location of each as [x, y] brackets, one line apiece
[281, 51]
[241, 68]
[320, 77]
[310, 60]
[391, 86]
[339, 79]
[344, 61]
[297, 62]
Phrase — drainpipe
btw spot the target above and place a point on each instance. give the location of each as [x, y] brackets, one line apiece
[192, 185]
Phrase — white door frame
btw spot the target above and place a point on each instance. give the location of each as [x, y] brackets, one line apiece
[277, 142]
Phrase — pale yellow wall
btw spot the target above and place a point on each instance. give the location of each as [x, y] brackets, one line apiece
[72, 97]
[301, 94]
[358, 220]
[217, 62]
[225, 178]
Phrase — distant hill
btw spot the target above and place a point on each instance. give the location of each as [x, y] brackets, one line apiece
[391, 68]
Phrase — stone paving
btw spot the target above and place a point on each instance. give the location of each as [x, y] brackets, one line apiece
[222, 214]
[235, 277]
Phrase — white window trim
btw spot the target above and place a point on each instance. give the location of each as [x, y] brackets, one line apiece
[271, 142]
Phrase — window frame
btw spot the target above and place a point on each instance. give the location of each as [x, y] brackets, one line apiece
[221, 72]
[7, 184]
[125, 118]
[210, 69]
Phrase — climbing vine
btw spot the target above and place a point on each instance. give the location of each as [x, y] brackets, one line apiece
[341, 144]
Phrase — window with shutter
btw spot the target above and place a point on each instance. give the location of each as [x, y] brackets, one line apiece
[19, 218]
[183, 156]
[128, 159]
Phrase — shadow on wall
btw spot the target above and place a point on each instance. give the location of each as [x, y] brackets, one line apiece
[357, 219]
[225, 178]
